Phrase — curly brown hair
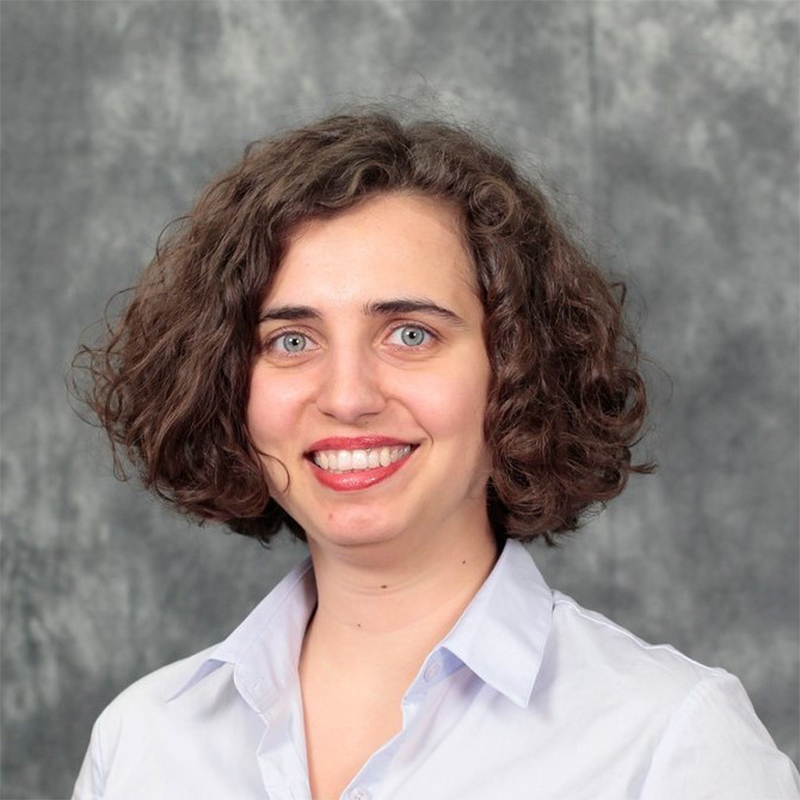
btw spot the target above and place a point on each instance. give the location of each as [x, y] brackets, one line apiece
[566, 400]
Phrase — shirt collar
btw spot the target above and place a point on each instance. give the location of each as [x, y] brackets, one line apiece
[502, 633]
[500, 636]
[266, 645]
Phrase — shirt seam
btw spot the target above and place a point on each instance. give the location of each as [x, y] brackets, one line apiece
[568, 601]
[679, 713]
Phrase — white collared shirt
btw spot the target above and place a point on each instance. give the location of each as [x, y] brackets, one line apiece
[528, 697]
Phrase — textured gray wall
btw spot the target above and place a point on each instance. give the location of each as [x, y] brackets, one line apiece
[672, 131]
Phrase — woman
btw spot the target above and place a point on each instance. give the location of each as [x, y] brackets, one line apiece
[379, 337]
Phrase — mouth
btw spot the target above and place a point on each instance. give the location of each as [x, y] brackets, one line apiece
[351, 470]
[344, 461]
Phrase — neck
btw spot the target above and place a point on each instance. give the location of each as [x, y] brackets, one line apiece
[380, 610]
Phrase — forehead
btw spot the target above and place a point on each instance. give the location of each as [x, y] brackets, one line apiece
[387, 245]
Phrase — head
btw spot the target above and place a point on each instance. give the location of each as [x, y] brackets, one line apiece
[564, 401]
[372, 346]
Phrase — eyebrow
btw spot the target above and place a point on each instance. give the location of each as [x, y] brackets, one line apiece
[382, 308]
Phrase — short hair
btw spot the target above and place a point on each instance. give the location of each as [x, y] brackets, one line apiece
[566, 400]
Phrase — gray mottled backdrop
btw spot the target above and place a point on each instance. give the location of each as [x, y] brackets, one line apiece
[671, 133]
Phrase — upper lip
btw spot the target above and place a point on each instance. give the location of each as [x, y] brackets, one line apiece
[355, 443]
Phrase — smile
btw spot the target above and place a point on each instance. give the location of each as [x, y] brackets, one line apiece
[338, 461]
[351, 470]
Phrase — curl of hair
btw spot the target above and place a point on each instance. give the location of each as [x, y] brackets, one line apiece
[566, 401]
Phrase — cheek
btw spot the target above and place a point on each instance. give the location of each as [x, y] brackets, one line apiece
[272, 409]
[271, 422]
[452, 406]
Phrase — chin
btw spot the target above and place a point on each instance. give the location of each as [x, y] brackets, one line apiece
[353, 527]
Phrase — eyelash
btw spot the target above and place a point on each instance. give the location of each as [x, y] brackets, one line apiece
[281, 334]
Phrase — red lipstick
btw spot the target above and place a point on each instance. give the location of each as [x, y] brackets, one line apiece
[355, 443]
[360, 479]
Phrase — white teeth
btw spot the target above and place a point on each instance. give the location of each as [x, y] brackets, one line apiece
[354, 460]
[344, 460]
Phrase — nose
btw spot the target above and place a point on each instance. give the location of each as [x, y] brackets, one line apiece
[350, 386]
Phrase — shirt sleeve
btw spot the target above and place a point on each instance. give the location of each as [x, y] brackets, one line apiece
[90, 784]
[716, 747]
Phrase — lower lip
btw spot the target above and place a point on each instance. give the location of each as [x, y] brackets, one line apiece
[352, 481]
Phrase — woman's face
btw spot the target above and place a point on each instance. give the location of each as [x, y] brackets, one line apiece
[371, 338]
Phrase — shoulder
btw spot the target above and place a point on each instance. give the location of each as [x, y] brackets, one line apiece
[595, 669]
[123, 731]
[144, 705]
[694, 725]
[618, 655]
[157, 687]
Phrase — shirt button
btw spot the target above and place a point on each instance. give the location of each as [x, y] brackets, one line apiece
[432, 671]
[359, 793]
